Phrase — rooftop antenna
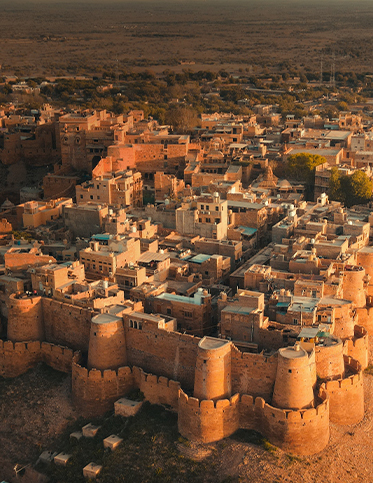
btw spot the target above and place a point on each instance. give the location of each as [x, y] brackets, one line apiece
[117, 72]
[332, 74]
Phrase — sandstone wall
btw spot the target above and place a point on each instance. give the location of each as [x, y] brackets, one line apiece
[67, 324]
[358, 347]
[25, 319]
[301, 432]
[253, 373]
[17, 358]
[206, 421]
[94, 392]
[347, 396]
[169, 354]
[157, 390]
[329, 361]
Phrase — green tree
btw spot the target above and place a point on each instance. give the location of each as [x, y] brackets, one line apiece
[302, 167]
[350, 190]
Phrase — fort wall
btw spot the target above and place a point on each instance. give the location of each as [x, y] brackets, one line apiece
[169, 354]
[253, 374]
[207, 421]
[94, 392]
[157, 390]
[347, 395]
[67, 324]
[358, 347]
[301, 432]
[329, 361]
[17, 358]
[353, 286]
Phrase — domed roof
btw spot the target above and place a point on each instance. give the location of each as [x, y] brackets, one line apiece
[284, 183]
[7, 204]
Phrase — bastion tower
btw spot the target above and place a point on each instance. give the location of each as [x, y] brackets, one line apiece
[354, 285]
[107, 344]
[295, 379]
[212, 378]
[25, 318]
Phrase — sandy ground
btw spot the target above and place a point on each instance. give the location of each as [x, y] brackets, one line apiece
[36, 407]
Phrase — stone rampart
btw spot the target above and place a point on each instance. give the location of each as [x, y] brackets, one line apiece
[67, 324]
[157, 390]
[329, 360]
[169, 354]
[253, 374]
[301, 432]
[206, 421]
[17, 358]
[347, 395]
[94, 392]
[358, 347]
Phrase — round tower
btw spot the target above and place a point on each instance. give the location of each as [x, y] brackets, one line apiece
[295, 379]
[365, 259]
[107, 345]
[353, 285]
[212, 378]
[25, 318]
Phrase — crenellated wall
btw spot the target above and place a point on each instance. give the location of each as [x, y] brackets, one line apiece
[17, 358]
[301, 432]
[347, 395]
[157, 390]
[94, 391]
[358, 347]
[207, 421]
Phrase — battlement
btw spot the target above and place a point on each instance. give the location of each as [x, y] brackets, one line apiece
[208, 404]
[18, 357]
[358, 347]
[347, 395]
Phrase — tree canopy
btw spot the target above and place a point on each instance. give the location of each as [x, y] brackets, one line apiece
[352, 189]
[301, 167]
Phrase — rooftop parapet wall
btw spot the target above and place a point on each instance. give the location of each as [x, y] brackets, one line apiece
[347, 395]
[253, 374]
[17, 358]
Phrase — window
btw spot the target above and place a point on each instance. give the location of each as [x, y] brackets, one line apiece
[168, 311]
[81, 197]
[188, 314]
[216, 208]
[207, 207]
[295, 321]
[202, 207]
[91, 197]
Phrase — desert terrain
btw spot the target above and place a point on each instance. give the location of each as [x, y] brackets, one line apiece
[40, 37]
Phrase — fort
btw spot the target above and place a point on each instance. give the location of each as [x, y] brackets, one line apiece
[289, 395]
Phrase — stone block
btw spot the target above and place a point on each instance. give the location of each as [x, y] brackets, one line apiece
[91, 470]
[90, 430]
[77, 435]
[112, 442]
[62, 459]
[126, 407]
[47, 457]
